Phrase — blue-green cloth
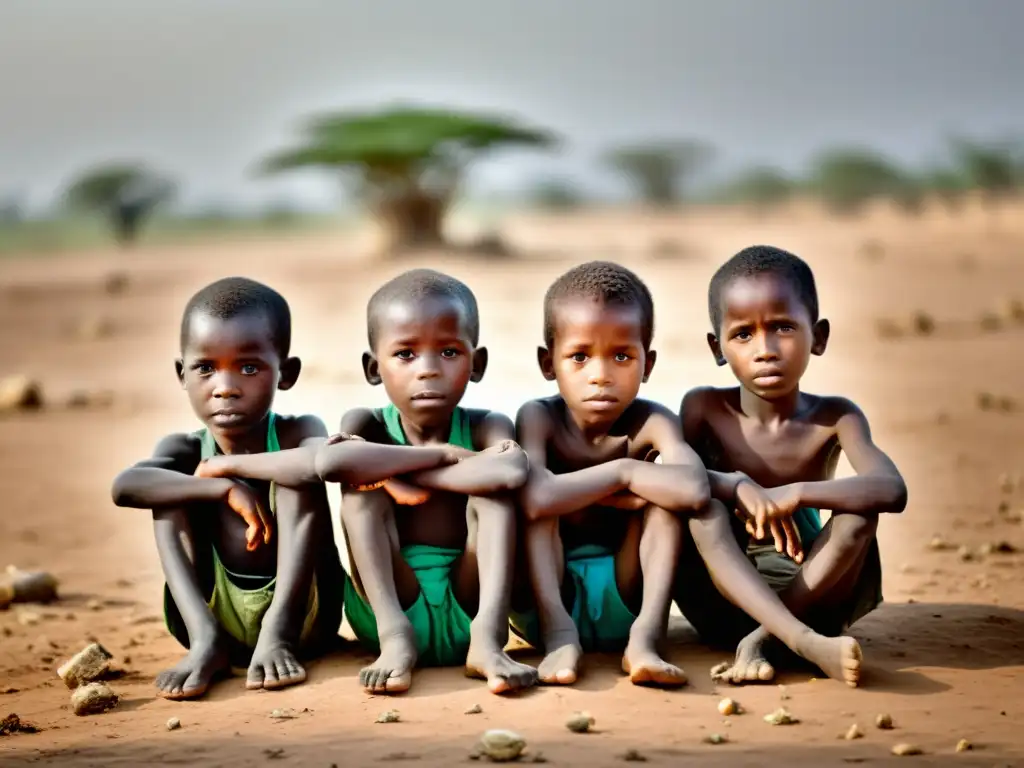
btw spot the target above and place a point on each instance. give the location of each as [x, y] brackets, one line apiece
[808, 525]
[461, 433]
[602, 618]
[438, 621]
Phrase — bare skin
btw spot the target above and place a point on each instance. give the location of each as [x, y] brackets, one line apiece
[772, 450]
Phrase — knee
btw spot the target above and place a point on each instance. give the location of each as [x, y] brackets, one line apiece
[857, 529]
[358, 505]
[661, 520]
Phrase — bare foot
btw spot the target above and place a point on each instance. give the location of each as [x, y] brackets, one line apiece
[645, 667]
[750, 665]
[561, 662]
[838, 657]
[487, 660]
[392, 671]
[274, 667]
[406, 493]
[191, 677]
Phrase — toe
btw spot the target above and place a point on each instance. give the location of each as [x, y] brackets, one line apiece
[270, 677]
[195, 685]
[255, 677]
[566, 676]
[499, 684]
[765, 671]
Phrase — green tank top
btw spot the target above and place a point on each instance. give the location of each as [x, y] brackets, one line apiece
[209, 449]
[460, 435]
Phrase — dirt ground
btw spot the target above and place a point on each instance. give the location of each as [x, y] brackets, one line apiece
[944, 655]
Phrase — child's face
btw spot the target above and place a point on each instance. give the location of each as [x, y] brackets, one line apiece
[597, 357]
[230, 369]
[424, 356]
[766, 335]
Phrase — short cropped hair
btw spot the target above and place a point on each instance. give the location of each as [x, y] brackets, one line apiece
[603, 281]
[235, 296]
[418, 284]
[763, 260]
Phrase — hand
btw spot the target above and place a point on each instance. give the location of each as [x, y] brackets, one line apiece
[772, 508]
[217, 466]
[453, 454]
[405, 493]
[341, 437]
[624, 500]
[243, 501]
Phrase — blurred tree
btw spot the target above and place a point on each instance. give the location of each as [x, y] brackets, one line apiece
[848, 177]
[947, 184]
[12, 208]
[762, 186]
[404, 163]
[556, 194]
[126, 192]
[993, 168]
[660, 171]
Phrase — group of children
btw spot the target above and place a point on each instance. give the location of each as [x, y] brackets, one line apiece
[576, 526]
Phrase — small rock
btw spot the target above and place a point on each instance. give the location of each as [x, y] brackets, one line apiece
[92, 699]
[390, 716]
[716, 738]
[1006, 404]
[781, 716]
[28, 586]
[939, 544]
[854, 732]
[923, 323]
[173, 724]
[20, 393]
[284, 714]
[28, 618]
[1013, 310]
[90, 664]
[579, 722]
[502, 745]
[84, 398]
[94, 605]
[538, 758]
[1008, 483]
[783, 693]
[989, 321]
[964, 746]
[476, 709]
[632, 756]
[884, 722]
[115, 282]
[887, 328]
[728, 707]
[986, 401]
[965, 554]
[13, 724]
[904, 750]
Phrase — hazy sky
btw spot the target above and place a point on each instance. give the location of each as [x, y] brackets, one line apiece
[204, 87]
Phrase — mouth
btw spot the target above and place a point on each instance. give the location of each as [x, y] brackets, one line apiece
[227, 416]
[769, 378]
[601, 400]
[429, 396]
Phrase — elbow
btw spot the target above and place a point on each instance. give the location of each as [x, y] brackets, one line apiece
[899, 496]
[694, 494]
[326, 466]
[515, 474]
[121, 493]
[534, 506]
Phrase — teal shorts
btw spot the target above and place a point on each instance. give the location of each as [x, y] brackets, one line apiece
[440, 624]
[593, 601]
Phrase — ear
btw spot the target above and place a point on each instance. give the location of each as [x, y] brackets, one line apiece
[821, 331]
[547, 365]
[371, 369]
[649, 359]
[716, 349]
[479, 365]
[290, 369]
[179, 371]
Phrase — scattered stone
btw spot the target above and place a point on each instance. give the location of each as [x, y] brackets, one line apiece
[904, 750]
[580, 722]
[28, 618]
[1008, 483]
[94, 605]
[13, 724]
[1006, 404]
[88, 665]
[632, 756]
[20, 586]
[887, 328]
[939, 544]
[716, 738]
[986, 401]
[964, 746]
[476, 709]
[390, 716]
[884, 722]
[115, 282]
[728, 707]
[853, 732]
[502, 745]
[781, 716]
[923, 323]
[84, 398]
[538, 758]
[1013, 310]
[173, 724]
[783, 693]
[989, 321]
[92, 699]
[965, 554]
[284, 714]
[20, 393]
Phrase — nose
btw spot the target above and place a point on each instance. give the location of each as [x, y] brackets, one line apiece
[767, 348]
[225, 385]
[429, 367]
[597, 372]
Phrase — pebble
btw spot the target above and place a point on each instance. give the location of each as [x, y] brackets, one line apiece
[389, 716]
[728, 707]
[94, 605]
[173, 724]
[854, 732]
[28, 618]
[939, 544]
[502, 745]
[904, 750]
[716, 738]
[283, 714]
[964, 746]
[86, 666]
[781, 716]
[884, 722]
[93, 698]
[20, 393]
[476, 709]
[633, 756]
[580, 722]
[783, 693]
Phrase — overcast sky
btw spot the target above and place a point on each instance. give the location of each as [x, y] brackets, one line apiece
[204, 87]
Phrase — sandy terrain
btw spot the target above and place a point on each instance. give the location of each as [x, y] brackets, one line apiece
[944, 656]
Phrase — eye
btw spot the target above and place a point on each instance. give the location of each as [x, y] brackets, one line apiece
[203, 369]
[786, 328]
[250, 370]
[579, 357]
[404, 354]
[622, 357]
[449, 353]
[743, 336]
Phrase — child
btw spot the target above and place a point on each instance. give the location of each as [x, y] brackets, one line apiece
[772, 451]
[601, 513]
[236, 595]
[420, 573]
